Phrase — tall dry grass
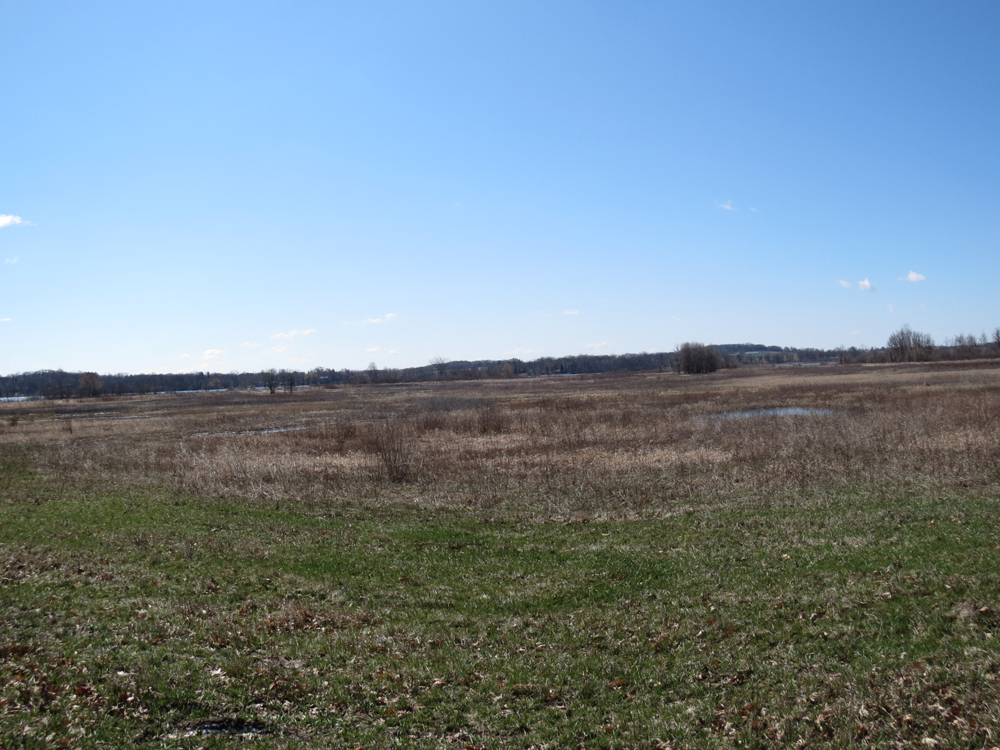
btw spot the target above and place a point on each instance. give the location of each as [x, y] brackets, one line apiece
[636, 445]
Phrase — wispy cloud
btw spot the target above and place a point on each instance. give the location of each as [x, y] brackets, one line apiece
[9, 261]
[855, 333]
[389, 317]
[184, 355]
[892, 309]
[7, 220]
[865, 286]
[913, 276]
[754, 210]
[845, 284]
[4, 320]
[674, 317]
[393, 351]
[212, 353]
[292, 334]
[571, 312]
[372, 349]
[596, 346]
[277, 349]
[249, 343]
[728, 206]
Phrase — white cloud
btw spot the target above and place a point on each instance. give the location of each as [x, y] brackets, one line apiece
[596, 346]
[728, 206]
[855, 333]
[184, 355]
[393, 351]
[375, 321]
[4, 320]
[865, 286]
[372, 349]
[674, 317]
[277, 349]
[845, 284]
[247, 343]
[571, 312]
[212, 353]
[913, 276]
[7, 219]
[891, 308]
[754, 210]
[9, 261]
[292, 334]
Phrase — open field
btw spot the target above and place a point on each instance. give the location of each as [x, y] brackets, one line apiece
[560, 562]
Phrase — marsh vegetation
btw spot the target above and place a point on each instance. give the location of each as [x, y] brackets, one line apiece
[576, 561]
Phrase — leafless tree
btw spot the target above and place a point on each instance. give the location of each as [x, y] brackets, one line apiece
[996, 337]
[270, 379]
[907, 345]
[440, 364]
[90, 384]
[964, 345]
[694, 358]
[288, 379]
[60, 376]
[373, 372]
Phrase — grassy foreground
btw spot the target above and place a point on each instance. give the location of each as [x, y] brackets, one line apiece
[144, 614]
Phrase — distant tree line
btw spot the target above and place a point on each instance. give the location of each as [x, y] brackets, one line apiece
[907, 345]
[904, 345]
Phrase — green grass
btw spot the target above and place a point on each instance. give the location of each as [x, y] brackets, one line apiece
[822, 619]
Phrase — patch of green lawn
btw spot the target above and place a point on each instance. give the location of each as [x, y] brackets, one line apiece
[836, 620]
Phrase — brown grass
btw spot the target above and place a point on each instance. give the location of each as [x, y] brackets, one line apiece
[615, 446]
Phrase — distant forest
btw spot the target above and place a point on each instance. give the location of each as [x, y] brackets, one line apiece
[56, 384]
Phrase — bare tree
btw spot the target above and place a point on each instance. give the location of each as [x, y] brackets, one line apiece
[90, 384]
[964, 345]
[60, 376]
[907, 345]
[373, 372]
[288, 379]
[996, 337]
[270, 379]
[694, 358]
[440, 364]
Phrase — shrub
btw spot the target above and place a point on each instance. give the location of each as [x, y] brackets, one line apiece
[493, 420]
[391, 442]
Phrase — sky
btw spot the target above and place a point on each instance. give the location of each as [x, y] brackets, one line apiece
[237, 185]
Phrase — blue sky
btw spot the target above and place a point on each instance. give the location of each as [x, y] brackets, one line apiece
[233, 186]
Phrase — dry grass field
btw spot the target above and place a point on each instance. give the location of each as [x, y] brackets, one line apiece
[649, 560]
